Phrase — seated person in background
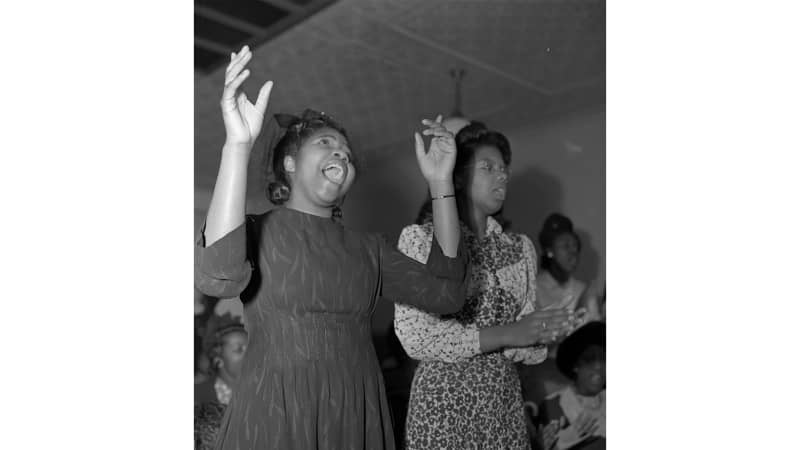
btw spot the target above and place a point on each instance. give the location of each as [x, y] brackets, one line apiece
[556, 286]
[579, 410]
[225, 346]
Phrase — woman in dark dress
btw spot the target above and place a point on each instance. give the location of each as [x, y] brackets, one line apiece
[310, 378]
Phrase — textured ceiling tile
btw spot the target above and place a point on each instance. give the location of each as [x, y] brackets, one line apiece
[380, 66]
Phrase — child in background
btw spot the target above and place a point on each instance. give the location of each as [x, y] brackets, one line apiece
[225, 346]
[579, 410]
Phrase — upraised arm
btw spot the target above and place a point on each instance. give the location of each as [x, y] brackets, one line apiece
[243, 121]
[437, 166]
[221, 266]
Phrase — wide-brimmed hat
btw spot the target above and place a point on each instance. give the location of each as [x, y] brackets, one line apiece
[593, 333]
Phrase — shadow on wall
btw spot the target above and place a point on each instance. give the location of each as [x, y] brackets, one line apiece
[534, 194]
[588, 264]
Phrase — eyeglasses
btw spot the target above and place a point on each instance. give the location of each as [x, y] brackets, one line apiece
[493, 169]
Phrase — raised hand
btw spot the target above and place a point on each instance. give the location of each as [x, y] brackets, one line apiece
[243, 119]
[438, 162]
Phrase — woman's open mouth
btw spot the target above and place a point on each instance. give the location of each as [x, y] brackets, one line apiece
[335, 171]
[500, 192]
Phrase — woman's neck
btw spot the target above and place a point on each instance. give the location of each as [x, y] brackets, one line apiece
[476, 221]
[226, 377]
[560, 275]
[299, 204]
[585, 393]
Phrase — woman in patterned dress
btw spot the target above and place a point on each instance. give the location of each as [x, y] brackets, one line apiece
[466, 391]
[310, 378]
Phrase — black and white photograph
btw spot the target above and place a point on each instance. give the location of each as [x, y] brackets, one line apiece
[401, 220]
[401, 224]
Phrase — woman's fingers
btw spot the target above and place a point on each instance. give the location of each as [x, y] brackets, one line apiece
[589, 429]
[237, 65]
[429, 122]
[419, 146]
[586, 424]
[241, 99]
[230, 90]
[552, 317]
[237, 68]
[437, 132]
[235, 57]
[595, 426]
[263, 97]
[550, 324]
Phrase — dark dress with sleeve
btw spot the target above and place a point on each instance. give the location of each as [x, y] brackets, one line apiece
[310, 378]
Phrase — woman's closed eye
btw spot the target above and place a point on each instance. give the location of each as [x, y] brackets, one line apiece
[484, 165]
[492, 168]
[327, 141]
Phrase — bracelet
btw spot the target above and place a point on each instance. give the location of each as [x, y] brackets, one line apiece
[443, 196]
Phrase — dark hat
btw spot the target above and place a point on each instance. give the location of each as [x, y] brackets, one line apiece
[554, 225]
[593, 333]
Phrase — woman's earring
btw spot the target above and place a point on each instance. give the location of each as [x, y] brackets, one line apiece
[288, 164]
[549, 254]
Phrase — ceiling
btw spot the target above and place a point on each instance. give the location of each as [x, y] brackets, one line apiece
[222, 26]
[380, 66]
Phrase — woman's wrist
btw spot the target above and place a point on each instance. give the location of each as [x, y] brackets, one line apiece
[441, 188]
[497, 337]
[237, 149]
[490, 339]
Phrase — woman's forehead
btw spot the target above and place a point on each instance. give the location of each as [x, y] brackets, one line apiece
[566, 237]
[234, 336]
[327, 131]
[487, 152]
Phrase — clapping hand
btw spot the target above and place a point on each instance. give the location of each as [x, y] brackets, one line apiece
[540, 327]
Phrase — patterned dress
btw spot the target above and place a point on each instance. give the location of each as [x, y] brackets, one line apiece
[461, 398]
[310, 378]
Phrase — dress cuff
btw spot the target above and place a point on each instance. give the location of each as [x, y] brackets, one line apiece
[445, 267]
[225, 257]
